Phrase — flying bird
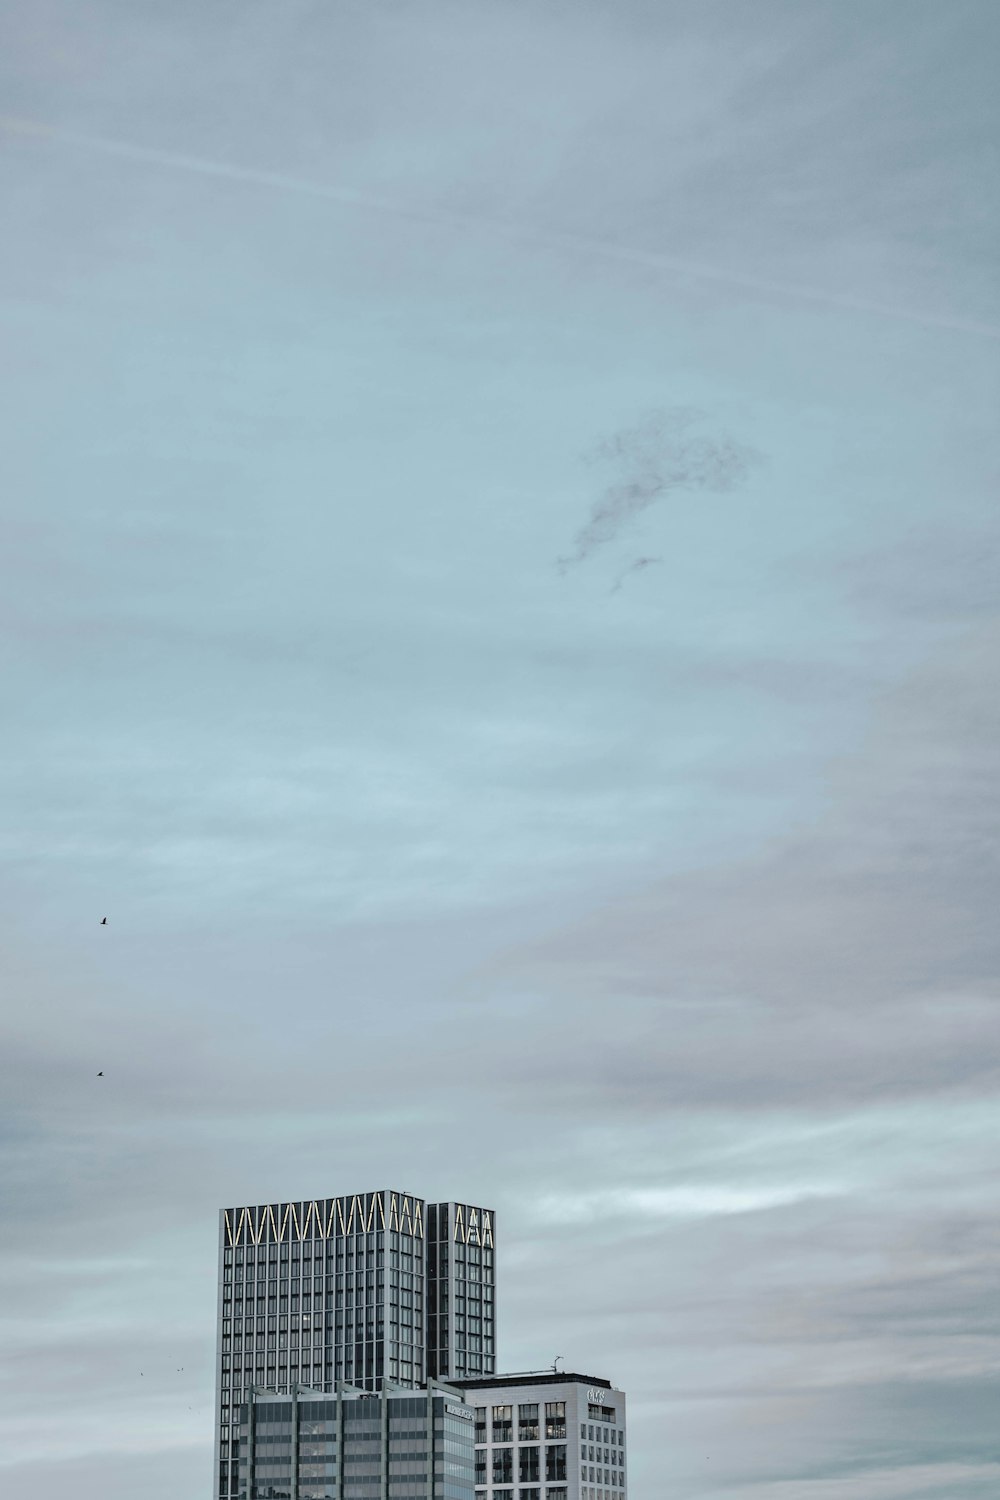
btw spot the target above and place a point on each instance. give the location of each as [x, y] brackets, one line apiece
[101, 1073]
[103, 922]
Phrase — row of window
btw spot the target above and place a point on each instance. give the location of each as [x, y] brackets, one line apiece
[283, 1264]
[312, 1318]
[236, 1387]
[558, 1492]
[240, 1326]
[400, 1269]
[349, 1317]
[345, 1331]
[339, 1357]
[602, 1435]
[466, 1365]
[359, 1332]
[354, 1285]
[615, 1477]
[350, 1282]
[502, 1426]
[308, 1278]
[308, 1303]
[317, 1377]
[469, 1277]
[353, 1313]
[317, 1416]
[525, 1409]
[529, 1464]
[461, 1255]
[359, 1296]
[250, 1358]
[593, 1455]
[474, 1300]
[236, 1308]
[248, 1292]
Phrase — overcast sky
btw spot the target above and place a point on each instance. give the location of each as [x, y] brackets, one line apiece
[499, 609]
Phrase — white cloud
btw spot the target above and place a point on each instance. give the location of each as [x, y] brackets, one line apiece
[691, 1202]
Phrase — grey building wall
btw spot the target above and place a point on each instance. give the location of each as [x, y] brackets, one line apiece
[309, 1445]
[549, 1437]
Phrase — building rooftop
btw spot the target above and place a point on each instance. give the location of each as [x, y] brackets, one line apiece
[530, 1377]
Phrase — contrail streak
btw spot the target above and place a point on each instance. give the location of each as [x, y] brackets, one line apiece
[202, 167]
[556, 239]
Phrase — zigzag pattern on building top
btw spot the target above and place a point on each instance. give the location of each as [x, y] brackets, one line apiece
[473, 1226]
[324, 1218]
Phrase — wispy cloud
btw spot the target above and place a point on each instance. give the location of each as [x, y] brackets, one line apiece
[690, 1202]
[638, 566]
[663, 454]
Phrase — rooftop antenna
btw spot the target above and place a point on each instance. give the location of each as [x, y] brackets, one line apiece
[555, 1363]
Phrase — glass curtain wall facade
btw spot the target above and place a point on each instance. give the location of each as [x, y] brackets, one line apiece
[354, 1446]
[461, 1291]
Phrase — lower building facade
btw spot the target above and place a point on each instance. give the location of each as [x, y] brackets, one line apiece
[394, 1445]
[548, 1437]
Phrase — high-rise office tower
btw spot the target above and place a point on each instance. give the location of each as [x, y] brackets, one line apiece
[369, 1289]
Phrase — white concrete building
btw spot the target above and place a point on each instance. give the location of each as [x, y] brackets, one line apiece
[548, 1436]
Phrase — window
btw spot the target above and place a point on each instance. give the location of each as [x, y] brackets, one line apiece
[527, 1422]
[527, 1465]
[502, 1425]
[555, 1419]
[555, 1462]
[503, 1466]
